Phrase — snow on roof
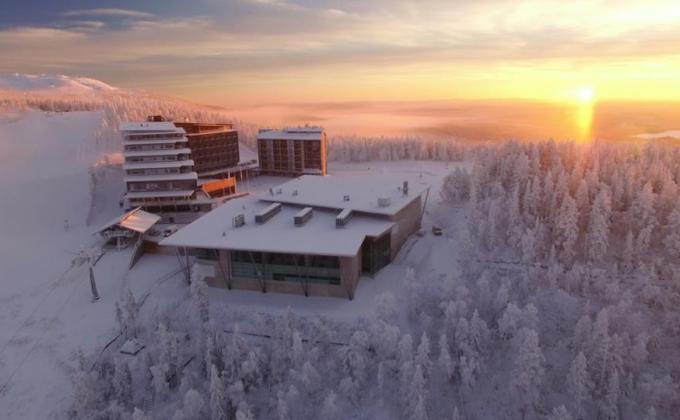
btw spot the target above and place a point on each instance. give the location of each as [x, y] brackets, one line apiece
[291, 133]
[246, 154]
[161, 177]
[152, 194]
[364, 192]
[136, 220]
[150, 127]
[161, 152]
[318, 236]
[160, 164]
[156, 141]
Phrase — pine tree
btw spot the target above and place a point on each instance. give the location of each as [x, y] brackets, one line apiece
[599, 346]
[609, 406]
[528, 371]
[629, 252]
[218, 396]
[672, 239]
[560, 413]
[122, 383]
[199, 294]
[598, 227]
[566, 230]
[420, 410]
[579, 383]
[194, 405]
[329, 409]
[422, 358]
[445, 362]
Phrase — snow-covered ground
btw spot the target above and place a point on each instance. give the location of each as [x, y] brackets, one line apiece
[49, 212]
[52, 83]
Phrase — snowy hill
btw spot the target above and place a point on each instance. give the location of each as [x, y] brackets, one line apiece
[52, 83]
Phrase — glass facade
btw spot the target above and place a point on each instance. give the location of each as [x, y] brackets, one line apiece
[285, 267]
[375, 254]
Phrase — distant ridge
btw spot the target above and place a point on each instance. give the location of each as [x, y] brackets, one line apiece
[52, 83]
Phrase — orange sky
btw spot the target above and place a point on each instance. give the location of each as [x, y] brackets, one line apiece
[283, 51]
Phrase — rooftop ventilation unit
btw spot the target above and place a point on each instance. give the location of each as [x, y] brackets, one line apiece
[238, 220]
[342, 219]
[384, 201]
[404, 189]
[266, 214]
[345, 197]
[303, 216]
[295, 192]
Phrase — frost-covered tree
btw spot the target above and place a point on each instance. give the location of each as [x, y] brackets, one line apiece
[445, 363]
[127, 313]
[560, 413]
[672, 239]
[122, 382]
[598, 227]
[579, 383]
[528, 369]
[422, 358]
[609, 405]
[199, 294]
[218, 396]
[329, 408]
[566, 230]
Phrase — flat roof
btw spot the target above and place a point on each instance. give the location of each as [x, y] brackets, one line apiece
[161, 177]
[363, 192]
[161, 152]
[150, 127]
[159, 141]
[136, 220]
[318, 236]
[291, 133]
[160, 194]
[158, 164]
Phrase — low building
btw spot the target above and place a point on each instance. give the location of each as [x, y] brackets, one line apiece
[311, 235]
[293, 151]
[214, 147]
[129, 228]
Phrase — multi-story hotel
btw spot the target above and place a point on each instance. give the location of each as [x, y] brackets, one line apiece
[214, 147]
[292, 151]
[159, 171]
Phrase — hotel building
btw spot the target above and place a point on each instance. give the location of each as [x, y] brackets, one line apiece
[292, 151]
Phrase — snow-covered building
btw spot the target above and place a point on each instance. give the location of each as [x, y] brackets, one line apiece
[311, 235]
[159, 167]
[128, 228]
[214, 147]
[293, 151]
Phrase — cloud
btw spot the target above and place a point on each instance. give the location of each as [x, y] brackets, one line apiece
[123, 13]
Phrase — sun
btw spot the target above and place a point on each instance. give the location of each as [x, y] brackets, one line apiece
[586, 94]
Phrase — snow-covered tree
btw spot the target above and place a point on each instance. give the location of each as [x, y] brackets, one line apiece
[218, 396]
[598, 227]
[566, 230]
[528, 369]
[199, 294]
[560, 413]
[579, 383]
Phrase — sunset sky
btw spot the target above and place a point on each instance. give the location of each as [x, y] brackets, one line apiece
[278, 51]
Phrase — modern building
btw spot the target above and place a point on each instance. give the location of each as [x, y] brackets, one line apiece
[214, 147]
[311, 235]
[293, 151]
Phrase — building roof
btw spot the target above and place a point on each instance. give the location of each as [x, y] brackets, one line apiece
[363, 192]
[159, 194]
[318, 236]
[291, 133]
[163, 152]
[136, 220]
[156, 141]
[160, 164]
[161, 177]
[150, 127]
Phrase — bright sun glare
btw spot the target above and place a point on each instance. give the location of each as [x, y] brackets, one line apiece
[586, 94]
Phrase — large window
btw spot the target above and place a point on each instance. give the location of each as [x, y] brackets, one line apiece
[285, 267]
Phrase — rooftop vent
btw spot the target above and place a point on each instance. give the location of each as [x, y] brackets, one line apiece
[342, 219]
[404, 189]
[271, 191]
[295, 192]
[238, 220]
[384, 201]
[279, 191]
[266, 214]
[303, 216]
[345, 197]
